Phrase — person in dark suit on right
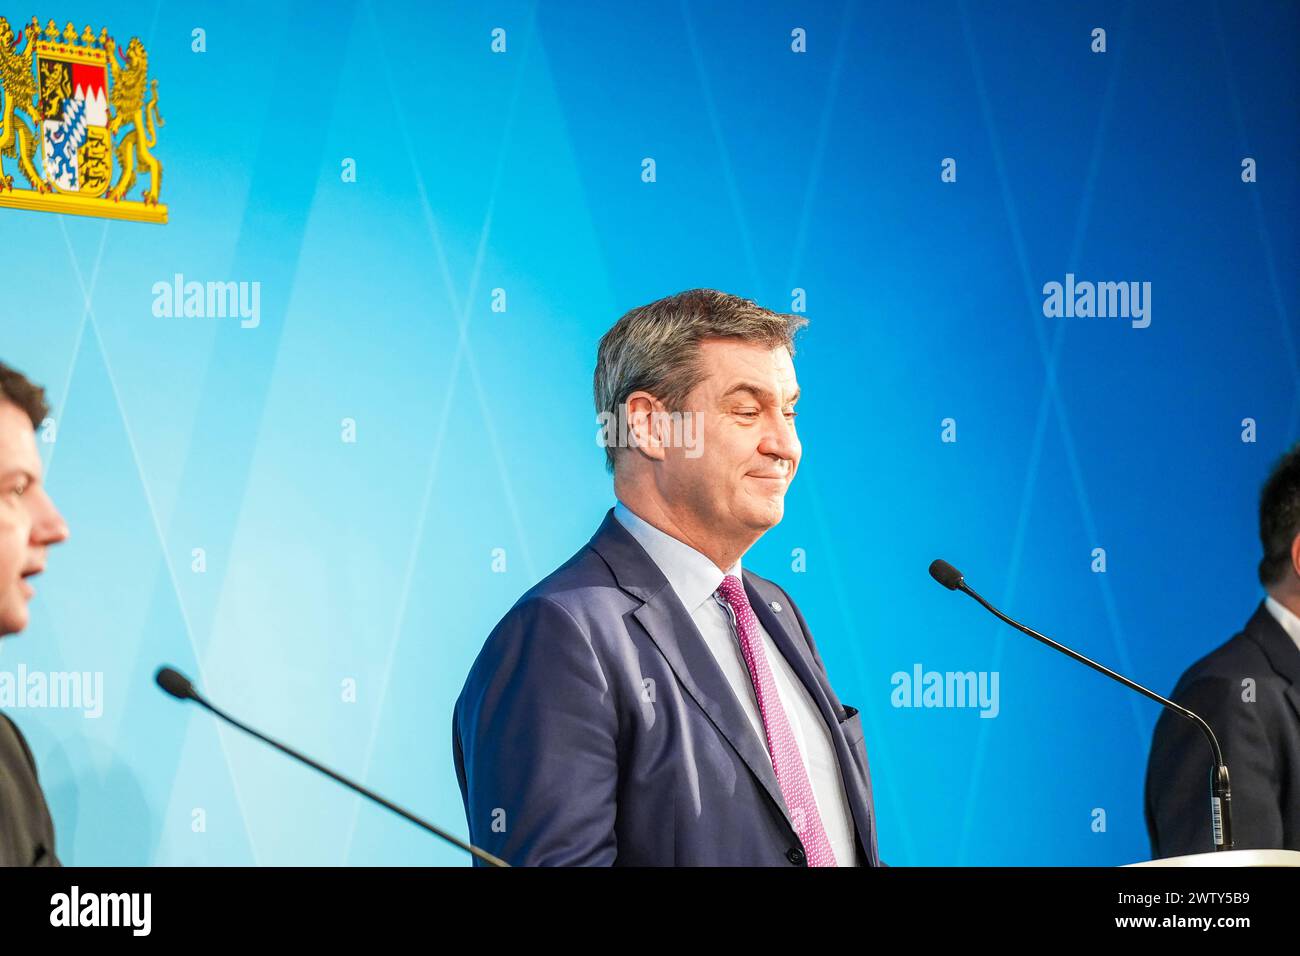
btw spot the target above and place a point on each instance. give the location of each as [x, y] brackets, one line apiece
[1248, 691]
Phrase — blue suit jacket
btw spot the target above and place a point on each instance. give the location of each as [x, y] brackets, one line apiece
[596, 728]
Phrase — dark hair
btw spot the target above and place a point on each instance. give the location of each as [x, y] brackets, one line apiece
[18, 388]
[1279, 517]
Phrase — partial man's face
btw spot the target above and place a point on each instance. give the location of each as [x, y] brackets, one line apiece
[29, 522]
[748, 450]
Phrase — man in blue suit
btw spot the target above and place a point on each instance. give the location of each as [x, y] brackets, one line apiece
[650, 702]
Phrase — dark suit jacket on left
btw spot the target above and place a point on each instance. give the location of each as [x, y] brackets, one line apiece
[26, 830]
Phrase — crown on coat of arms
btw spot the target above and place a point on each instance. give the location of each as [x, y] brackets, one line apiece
[66, 99]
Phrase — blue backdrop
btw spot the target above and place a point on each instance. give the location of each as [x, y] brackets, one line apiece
[335, 591]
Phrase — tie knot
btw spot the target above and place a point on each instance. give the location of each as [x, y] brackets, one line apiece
[733, 590]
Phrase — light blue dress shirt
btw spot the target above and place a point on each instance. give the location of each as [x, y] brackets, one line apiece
[695, 579]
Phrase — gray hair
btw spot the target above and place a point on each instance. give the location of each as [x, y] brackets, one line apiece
[655, 347]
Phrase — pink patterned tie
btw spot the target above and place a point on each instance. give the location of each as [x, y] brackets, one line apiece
[786, 761]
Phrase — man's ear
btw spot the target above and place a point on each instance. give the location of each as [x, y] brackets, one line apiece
[645, 418]
[1295, 555]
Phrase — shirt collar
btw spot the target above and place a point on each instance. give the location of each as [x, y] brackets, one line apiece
[693, 576]
[1290, 623]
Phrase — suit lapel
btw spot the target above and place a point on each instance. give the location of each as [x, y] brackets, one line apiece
[780, 628]
[785, 634]
[1280, 650]
[670, 627]
[682, 645]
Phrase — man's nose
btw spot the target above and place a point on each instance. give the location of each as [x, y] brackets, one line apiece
[780, 440]
[48, 526]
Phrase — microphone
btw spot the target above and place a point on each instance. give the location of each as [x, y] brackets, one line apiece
[179, 686]
[1220, 791]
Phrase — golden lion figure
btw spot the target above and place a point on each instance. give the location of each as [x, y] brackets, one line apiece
[18, 90]
[133, 153]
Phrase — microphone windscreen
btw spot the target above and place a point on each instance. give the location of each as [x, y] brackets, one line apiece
[945, 574]
[174, 683]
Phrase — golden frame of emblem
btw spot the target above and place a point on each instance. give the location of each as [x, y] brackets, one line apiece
[131, 124]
